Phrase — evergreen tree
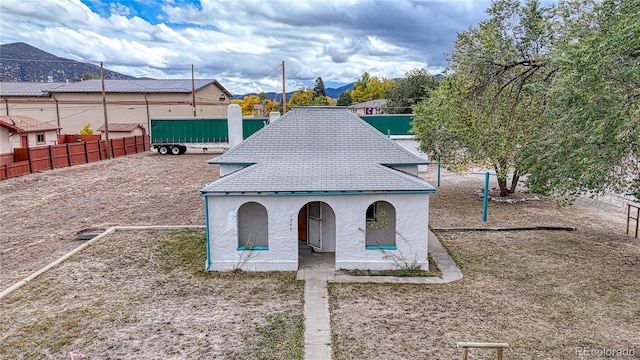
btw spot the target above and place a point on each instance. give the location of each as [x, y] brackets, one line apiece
[319, 90]
[344, 99]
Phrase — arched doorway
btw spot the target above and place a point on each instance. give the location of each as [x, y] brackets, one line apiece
[316, 235]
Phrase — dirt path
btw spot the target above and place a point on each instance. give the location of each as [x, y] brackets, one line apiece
[41, 213]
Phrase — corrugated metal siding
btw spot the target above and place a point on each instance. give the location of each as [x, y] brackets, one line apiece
[251, 125]
[195, 130]
[199, 130]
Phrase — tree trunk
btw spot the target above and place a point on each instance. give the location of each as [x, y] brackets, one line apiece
[504, 190]
[502, 182]
[514, 182]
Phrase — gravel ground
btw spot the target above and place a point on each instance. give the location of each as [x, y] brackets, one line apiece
[41, 213]
[546, 293]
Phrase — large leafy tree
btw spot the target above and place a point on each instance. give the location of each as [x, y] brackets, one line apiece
[485, 112]
[410, 90]
[247, 104]
[592, 120]
[305, 97]
[370, 88]
[301, 97]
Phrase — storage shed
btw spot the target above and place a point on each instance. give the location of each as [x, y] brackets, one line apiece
[324, 178]
[120, 130]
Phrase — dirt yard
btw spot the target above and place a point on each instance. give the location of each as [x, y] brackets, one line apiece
[146, 295]
[548, 294]
[41, 213]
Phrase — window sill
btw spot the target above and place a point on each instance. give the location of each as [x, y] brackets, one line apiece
[380, 247]
[244, 248]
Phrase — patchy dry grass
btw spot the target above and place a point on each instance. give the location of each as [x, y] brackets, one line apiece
[543, 292]
[145, 295]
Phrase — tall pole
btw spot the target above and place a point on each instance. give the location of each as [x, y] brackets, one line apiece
[284, 92]
[104, 107]
[193, 91]
[485, 201]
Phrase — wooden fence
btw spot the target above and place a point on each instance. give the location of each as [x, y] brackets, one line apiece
[30, 160]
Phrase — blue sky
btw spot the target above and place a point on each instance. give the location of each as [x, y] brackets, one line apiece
[242, 43]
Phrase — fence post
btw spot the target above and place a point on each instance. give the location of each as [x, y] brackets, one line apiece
[438, 170]
[68, 154]
[485, 202]
[51, 156]
[30, 162]
[629, 218]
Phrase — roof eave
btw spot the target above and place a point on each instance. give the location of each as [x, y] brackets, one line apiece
[212, 162]
[313, 193]
[407, 164]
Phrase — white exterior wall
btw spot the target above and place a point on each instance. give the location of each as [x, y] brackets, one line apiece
[121, 134]
[50, 137]
[412, 212]
[5, 146]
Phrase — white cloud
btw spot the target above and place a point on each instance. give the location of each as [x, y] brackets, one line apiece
[238, 42]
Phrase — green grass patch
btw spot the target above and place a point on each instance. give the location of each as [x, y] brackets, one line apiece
[282, 337]
[184, 251]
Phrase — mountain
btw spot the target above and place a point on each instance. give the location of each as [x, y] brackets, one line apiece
[335, 93]
[331, 92]
[20, 62]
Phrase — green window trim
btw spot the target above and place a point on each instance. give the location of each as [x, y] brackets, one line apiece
[257, 247]
[380, 247]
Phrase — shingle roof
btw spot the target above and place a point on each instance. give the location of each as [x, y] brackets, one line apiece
[27, 89]
[10, 126]
[121, 127]
[318, 149]
[28, 124]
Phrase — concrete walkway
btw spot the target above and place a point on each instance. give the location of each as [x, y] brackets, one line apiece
[316, 274]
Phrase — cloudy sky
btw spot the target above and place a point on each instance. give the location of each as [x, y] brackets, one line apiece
[242, 43]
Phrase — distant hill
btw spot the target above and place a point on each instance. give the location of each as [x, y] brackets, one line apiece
[20, 62]
[331, 92]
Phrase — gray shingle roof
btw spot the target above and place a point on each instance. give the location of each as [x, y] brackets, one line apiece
[318, 149]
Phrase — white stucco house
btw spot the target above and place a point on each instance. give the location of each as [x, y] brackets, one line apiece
[320, 176]
[35, 132]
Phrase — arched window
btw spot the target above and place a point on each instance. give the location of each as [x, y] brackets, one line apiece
[253, 227]
[380, 231]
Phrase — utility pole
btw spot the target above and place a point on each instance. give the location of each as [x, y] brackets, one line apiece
[193, 91]
[104, 107]
[284, 92]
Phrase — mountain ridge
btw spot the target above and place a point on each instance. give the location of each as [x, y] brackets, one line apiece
[21, 62]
